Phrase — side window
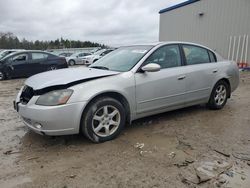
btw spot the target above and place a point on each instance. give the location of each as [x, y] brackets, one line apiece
[20, 57]
[195, 55]
[166, 56]
[38, 56]
[212, 56]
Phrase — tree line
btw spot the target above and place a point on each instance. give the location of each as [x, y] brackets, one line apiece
[10, 41]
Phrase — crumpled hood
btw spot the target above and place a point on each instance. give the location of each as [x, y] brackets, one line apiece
[65, 76]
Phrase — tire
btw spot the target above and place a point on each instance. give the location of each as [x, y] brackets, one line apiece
[52, 68]
[2, 75]
[219, 95]
[103, 120]
[72, 62]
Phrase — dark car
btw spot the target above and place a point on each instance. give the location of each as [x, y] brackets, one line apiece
[28, 63]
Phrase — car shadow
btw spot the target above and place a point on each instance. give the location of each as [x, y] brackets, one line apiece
[33, 140]
[167, 116]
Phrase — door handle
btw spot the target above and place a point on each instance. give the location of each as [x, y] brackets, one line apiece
[215, 71]
[181, 77]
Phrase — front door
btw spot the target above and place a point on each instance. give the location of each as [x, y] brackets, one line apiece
[19, 65]
[158, 91]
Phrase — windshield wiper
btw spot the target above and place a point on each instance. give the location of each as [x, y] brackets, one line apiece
[100, 67]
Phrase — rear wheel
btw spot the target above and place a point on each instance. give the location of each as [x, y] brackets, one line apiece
[52, 68]
[219, 95]
[103, 120]
[2, 76]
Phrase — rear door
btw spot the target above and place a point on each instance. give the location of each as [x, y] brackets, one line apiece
[156, 91]
[38, 62]
[200, 72]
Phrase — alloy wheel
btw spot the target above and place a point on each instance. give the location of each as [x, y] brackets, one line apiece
[220, 95]
[71, 62]
[106, 121]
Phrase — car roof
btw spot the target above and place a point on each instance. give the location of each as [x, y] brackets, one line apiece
[12, 49]
[25, 51]
[167, 42]
[78, 53]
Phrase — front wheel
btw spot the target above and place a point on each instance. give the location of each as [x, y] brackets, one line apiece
[219, 95]
[72, 62]
[103, 120]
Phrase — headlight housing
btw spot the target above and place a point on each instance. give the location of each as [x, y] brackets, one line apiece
[54, 98]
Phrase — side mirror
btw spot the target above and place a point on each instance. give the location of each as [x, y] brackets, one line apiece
[151, 67]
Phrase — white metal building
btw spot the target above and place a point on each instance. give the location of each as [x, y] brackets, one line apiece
[222, 25]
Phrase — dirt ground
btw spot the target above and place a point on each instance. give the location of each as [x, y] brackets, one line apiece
[167, 150]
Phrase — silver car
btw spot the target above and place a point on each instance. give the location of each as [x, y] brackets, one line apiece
[129, 83]
[77, 58]
[88, 60]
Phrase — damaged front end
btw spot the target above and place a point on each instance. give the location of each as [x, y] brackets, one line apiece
[27, 92]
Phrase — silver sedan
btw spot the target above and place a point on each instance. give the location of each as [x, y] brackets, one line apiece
[129, 83]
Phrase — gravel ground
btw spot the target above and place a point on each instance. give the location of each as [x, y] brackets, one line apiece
[167, 150]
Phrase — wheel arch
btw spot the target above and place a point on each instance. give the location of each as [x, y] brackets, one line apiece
[71, 60]
[229, 85]
[112, 94]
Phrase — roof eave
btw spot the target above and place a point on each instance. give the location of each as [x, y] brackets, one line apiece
[178, 6]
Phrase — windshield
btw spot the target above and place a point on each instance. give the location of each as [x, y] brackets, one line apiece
[99, 52]
[74, 55]
[3, 54]
[122, 59]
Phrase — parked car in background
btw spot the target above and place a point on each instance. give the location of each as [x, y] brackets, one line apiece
[77, 58]
[65, 54]
[88, 60]
[130, 83]
[28, 63]
[4, 53]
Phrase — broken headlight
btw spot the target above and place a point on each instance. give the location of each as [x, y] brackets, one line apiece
[54, 98]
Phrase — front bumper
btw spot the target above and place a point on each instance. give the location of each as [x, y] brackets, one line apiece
[51, 120]
[87, 62]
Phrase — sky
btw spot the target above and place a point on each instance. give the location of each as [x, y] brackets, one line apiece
[110, 22]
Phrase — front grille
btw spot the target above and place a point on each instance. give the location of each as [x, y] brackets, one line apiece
[26, 95]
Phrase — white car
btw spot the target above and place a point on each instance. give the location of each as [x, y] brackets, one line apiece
[88, 60]
[77, 58]
[4, 53]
